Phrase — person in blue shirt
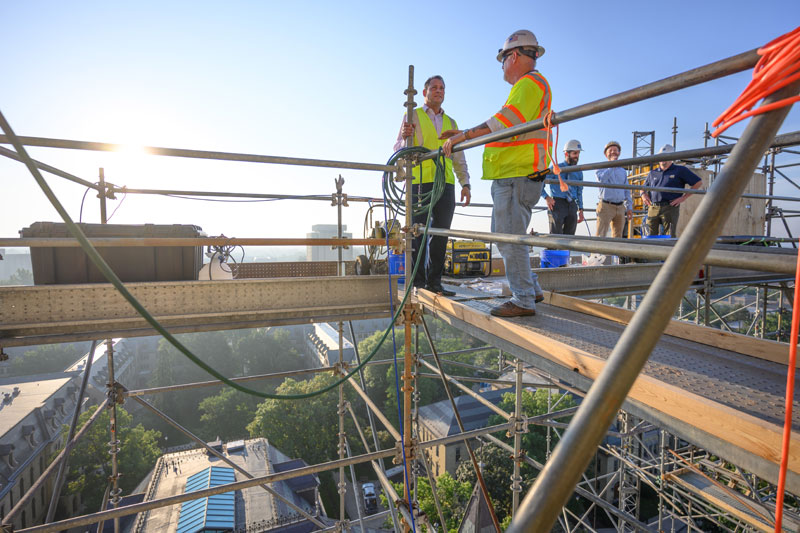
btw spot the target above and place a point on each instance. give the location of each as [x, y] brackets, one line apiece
[663, 207]
[565, 209]
[614, 205]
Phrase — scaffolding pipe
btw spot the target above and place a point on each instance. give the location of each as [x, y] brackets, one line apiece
[203, 493]
[52, 170]
[405, 422]
[783, 264]
[371, 405]
[556, 482]
[124, 242]
[185, 386]
[516, 479]
[197, 154]
[478, 474]
[209, 449]
[580, 183]
[23, 501]
[51, 510]
[355, 492]
[113, 444]
[377, 468]
[786, 139]
[340, 412]
[712, 71]
[597, 500]
[466, 390]
[369, 412]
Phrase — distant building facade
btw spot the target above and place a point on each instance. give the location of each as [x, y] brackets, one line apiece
[438, 420]
[326, 253]
[33, 411]
[323, 342]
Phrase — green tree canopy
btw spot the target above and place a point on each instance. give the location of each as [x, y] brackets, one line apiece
[46, 358]
[90, 462]
[305, 429]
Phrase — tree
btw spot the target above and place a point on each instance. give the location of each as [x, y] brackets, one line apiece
[43, 359]
[228, 412]
[534, 442]
[21, 277]
[305, 428]
[497, 470]
[90, 462]
[453, 498]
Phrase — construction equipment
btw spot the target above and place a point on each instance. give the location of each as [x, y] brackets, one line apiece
[374, 258]
[468, 258]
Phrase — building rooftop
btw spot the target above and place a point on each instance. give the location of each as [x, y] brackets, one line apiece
[179, 472]
[25, 394]
[441, 420]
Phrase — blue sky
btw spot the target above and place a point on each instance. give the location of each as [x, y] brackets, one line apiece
[325, 80]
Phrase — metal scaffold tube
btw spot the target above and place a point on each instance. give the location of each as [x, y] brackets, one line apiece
[198, 154]
[475, 466]
[712, 71]
[786, 139]
[87, 370]
[763, 261]
[557, 481]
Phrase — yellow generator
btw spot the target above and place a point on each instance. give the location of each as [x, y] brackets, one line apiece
[468, 258]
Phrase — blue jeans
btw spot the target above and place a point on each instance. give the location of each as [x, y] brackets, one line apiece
[514, 198]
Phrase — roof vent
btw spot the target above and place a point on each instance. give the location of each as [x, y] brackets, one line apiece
[16, 392]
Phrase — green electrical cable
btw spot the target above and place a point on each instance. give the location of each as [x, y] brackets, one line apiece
[100, 263]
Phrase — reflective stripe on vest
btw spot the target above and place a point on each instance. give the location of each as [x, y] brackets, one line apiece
[430, 139]
[522, 154]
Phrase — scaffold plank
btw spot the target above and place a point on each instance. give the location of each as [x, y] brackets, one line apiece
[29, 315]
[768, 350]
[723, 401]
[748, 511]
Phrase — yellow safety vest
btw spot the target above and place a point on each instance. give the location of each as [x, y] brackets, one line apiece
[430, 139]
[522, 154]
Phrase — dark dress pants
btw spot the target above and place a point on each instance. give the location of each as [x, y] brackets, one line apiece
[563, 217]
[433, 253]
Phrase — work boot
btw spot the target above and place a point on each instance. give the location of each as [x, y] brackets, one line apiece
[510, 309]
[438, 289]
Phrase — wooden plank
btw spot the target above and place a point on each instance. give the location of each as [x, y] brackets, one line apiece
[759, 348]
[740, 429]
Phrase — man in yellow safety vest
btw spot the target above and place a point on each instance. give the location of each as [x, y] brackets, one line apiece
[515, 165]
[426, 126]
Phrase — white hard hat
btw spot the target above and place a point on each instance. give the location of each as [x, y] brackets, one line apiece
[573, 145]
[520, 39]
[666, 149]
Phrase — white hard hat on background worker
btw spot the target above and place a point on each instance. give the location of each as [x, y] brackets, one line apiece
[523, 39]
[573, 145]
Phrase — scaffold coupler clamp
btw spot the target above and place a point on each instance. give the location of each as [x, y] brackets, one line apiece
[417, 229]
[412, 314]
[6, 528]
[518, 425]
[340, 368]
[116, 394]
[400, 169]
[108, 191]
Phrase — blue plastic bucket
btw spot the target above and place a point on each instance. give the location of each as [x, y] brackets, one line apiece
[553, 258]
[397, 266]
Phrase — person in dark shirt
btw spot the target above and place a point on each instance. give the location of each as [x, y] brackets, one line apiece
[663, 207]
